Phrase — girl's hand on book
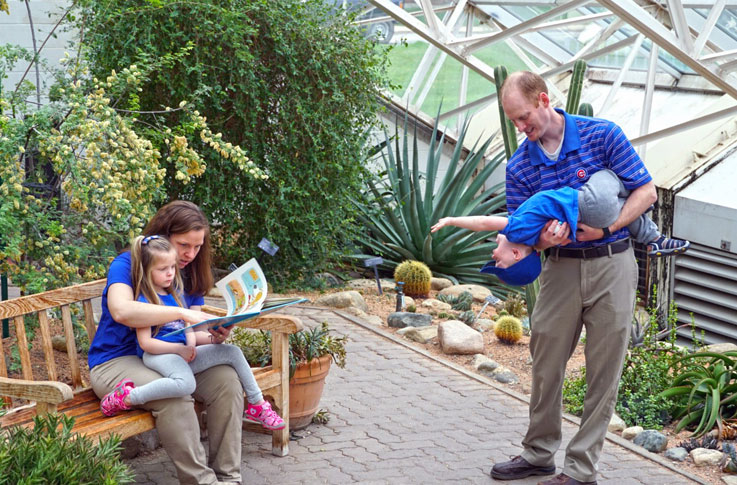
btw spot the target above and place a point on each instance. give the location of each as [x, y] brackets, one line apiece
[195, 316]
[188, 352]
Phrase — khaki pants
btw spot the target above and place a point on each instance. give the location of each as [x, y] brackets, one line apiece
[176, 421]
[598, 294]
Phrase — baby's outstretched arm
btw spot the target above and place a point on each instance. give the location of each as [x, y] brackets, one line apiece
[473, 223]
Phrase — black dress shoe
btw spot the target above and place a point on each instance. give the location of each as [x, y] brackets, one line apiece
[517, 468]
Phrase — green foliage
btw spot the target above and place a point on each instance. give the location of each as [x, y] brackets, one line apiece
[508, 329]
[404, 203]
[303, 346]
[50, 453]
[321, 417]
[290, 81]
[411, 308]
[645, 374]
[704, 391]
[461, 302]
[416, 276]
[76, 179]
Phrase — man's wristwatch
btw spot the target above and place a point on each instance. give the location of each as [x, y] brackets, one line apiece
[607, 233]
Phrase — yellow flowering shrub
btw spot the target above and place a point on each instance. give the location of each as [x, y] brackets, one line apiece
[77, 182]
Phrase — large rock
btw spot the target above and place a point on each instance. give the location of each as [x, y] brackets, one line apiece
[343, 299]
[478, 292]
[651, 440]
[370, 284]
[456, 337]
[720, 348]
[408, 319]
[440, 283]
[437, 305]
[419, 334]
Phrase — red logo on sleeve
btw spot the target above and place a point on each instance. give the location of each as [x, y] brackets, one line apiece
[581, 173]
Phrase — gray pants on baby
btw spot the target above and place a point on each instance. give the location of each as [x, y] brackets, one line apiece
[178, 375]
[600, 201]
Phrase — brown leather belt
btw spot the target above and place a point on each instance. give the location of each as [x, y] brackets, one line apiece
[589, 253]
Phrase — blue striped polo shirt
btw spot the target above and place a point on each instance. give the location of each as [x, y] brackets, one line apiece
[589, 145]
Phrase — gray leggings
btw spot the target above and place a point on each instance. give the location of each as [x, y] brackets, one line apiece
[601, 199]
[178, 376]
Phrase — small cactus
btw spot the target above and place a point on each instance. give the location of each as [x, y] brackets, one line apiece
[508, 329]
[461, 302]
[416, 276]
[468, 317]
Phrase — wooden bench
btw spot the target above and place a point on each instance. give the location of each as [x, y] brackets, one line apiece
[27, 396]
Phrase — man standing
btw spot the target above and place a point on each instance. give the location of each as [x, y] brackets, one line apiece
[590, 283]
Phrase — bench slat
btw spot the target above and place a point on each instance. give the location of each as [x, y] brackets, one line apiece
[51, 299]
[22, 341]
[89, 320]
[66, 320]
[43, 323]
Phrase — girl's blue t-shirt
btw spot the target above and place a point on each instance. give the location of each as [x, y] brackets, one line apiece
[114, 339]
[167, 328]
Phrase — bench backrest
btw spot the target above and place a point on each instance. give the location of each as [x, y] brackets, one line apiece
[38, 304]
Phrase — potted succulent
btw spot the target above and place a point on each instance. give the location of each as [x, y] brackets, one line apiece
[311, 352]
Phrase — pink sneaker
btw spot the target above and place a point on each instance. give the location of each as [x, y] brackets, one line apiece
[114, 402]
[264, 415]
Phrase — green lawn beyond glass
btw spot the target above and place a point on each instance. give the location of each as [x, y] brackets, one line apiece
[404, 59]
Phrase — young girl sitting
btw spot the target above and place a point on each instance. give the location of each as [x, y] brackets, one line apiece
[156, 279]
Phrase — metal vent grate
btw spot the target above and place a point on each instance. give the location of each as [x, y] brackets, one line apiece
[705, 286]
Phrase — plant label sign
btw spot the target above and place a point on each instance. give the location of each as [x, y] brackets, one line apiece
[375, 261]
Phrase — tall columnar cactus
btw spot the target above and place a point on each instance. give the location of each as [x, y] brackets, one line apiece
[585, 109]
[508, 329]
[508, 131]
[416, 276]
[574, 92]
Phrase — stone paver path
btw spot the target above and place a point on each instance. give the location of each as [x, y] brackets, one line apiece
[398, 416]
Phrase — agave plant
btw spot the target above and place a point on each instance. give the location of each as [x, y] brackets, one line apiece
[404, 203]
[704, 390]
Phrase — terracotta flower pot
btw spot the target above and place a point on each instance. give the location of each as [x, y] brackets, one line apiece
[305, 390]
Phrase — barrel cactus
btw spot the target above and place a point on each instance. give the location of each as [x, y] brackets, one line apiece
[508, 329]
[416, 276]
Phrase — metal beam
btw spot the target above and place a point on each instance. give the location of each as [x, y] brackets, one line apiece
[708, 27]
[524, 26]
[638, 18]
[647, 101]
[623, 72]
[680, 25]
[673, 130]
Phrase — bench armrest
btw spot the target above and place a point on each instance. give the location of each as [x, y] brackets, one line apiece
[273, 322]
[50, 392]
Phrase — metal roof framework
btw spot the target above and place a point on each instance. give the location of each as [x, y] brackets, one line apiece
[679, 44]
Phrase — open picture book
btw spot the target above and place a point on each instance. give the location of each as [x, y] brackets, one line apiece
[244, 291]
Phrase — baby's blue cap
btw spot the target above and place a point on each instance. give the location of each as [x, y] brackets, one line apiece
[521, 273]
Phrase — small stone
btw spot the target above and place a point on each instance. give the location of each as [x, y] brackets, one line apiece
[706, 457]
[676, 454]
[422, 334]
[505, 376]
[616, 424]
[59, 343]
[485, 325]
[652, 441]
[631, 432]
